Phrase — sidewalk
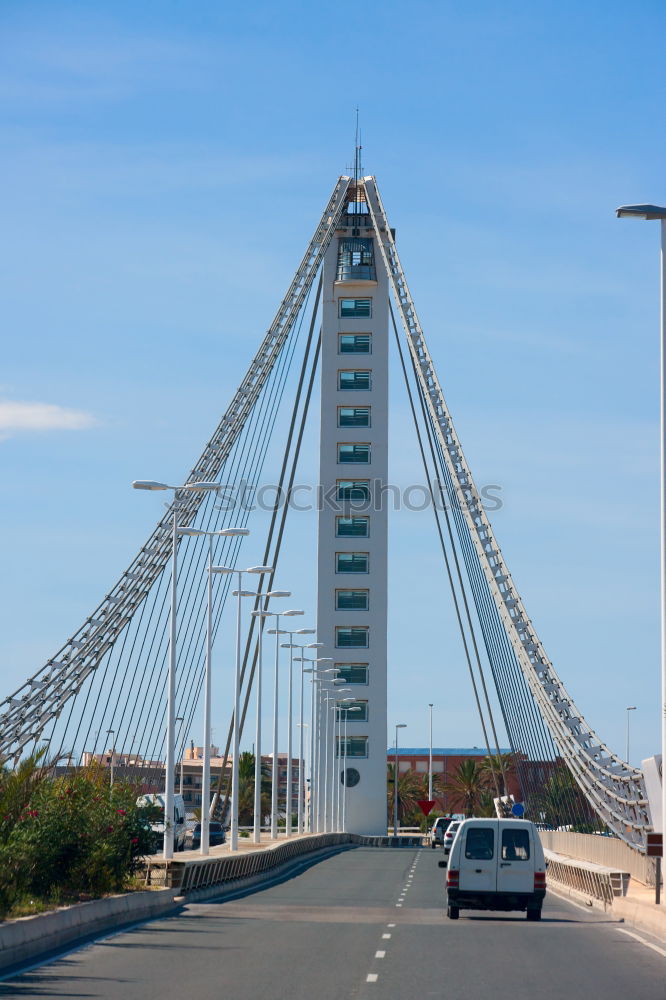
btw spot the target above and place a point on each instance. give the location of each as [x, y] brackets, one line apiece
[222, 850]
[639, 909]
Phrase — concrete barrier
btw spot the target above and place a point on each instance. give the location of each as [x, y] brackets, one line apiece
[29, 937]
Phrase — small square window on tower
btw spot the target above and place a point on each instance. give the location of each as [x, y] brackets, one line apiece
[354, 454]
[353, 416]
[354, 380]
[352, 637]
[351, 600]
[354, 343]
[352, 673]
[352, 527]
[352, 562]
[355, 307]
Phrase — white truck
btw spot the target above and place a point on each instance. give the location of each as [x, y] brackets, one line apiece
[157, 799]
[496, 864]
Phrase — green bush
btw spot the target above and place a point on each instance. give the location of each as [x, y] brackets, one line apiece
[63, 838]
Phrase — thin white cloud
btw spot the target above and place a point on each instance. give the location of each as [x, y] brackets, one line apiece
[18, 417]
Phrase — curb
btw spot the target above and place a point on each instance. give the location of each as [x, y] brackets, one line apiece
[643, 916]
[576, 896]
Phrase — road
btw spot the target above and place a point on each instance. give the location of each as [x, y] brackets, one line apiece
[366, 924]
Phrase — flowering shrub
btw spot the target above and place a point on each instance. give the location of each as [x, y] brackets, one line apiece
[66, 837]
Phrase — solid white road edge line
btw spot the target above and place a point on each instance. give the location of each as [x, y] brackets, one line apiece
[637, 937]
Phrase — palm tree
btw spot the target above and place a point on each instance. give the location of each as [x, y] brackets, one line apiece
[465, 788]
[502, 766]
[246, 789]
[409, 792]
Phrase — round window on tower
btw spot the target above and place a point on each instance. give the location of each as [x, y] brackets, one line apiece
[350, 777]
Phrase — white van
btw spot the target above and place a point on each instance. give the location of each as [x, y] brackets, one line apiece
[496, 864]
[179, 823]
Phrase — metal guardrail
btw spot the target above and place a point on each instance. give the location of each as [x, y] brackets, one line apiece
[201, 872]
[585, 876]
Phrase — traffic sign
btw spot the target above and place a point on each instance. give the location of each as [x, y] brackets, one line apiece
[655, 845]
[426, 805]
[517, 809]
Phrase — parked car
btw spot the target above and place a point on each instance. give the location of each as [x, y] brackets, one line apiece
[156, 799]
[438, 830]
[216, 835]
[496, 864]
[449, 836]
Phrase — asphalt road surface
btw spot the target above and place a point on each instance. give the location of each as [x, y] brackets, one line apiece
[366, 924]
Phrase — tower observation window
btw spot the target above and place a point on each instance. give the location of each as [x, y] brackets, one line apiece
[355, 307]
[356, 260]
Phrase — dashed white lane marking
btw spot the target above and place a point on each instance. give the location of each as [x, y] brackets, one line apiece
[380, 954]
[398, 904]
[371, 977]
[390, 925]
[386, 937]
[637, 937]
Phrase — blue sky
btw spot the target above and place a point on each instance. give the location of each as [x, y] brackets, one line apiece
[163, 167]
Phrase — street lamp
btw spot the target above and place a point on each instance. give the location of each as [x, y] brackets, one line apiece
[399, 725]
[318, 674]
[276, 682]
[337, 756]
[329, 697]
[260, 614]
[205, 777]
[344, 769]
[291, 645]
[630, 708]
[179, 718]
[233, 833]
[152, 485]
[430, 757]
[652, 212]
[112, 732]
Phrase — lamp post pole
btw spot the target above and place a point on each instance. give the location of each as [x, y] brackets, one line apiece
[315, 739]
[430, 758]
[340, 707]
[205, 774]
[344, 770]
[400, 725]
[275, 777]
[260, 614]
[146, 484]
[291, 645]
[179, 718]
[256, 834]
[261, 570]
[652, 212]
[111, 732]
[630, 708]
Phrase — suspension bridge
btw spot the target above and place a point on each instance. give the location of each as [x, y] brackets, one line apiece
[347, 303]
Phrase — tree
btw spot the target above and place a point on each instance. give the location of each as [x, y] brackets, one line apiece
[465, 788]
[502, 766]
[409, 792]
[246, 789]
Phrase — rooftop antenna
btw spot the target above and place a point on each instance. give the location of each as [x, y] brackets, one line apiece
[357, 173]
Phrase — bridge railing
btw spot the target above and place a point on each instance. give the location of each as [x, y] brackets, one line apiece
[189, 874]
[587, 877]
[609, 852]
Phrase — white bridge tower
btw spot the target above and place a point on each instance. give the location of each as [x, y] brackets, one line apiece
[352, 547]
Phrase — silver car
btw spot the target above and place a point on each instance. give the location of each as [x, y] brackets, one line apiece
[438, 830]
[450, 835]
